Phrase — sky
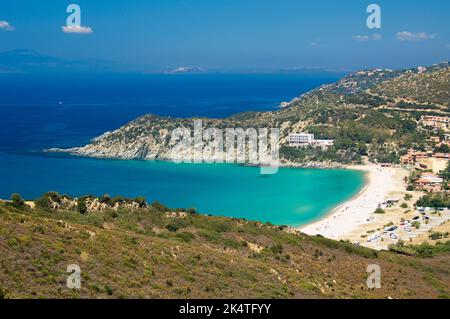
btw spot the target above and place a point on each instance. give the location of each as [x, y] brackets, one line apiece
[233, 34]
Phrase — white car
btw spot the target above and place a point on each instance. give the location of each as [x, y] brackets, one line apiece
[373, 238]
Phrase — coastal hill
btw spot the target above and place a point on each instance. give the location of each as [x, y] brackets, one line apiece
[374, 113]
[127, 248]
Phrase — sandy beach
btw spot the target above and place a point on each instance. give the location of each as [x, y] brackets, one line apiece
[382, 183]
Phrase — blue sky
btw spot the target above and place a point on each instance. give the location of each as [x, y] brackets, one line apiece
[234, 34]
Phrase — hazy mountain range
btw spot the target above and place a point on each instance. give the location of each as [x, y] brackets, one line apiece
[25, 61]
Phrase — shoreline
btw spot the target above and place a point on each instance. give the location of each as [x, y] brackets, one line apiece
[351, 215]
[358, 210]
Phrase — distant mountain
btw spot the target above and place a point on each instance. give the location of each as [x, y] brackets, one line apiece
[29, 61]
[185, 70]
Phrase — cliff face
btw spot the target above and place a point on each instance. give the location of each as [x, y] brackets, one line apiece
[380, 104]
[141, 139]
[150, 137]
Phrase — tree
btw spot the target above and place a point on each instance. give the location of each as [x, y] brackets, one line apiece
[142, 202]
[81, 206]
[436, 200]
[362, 148]
[446, 173]
[191, 211]
[42, 202]
[54, 196]
[17, 199]
[105, 199]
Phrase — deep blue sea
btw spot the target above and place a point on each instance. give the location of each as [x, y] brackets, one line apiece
[39, 112]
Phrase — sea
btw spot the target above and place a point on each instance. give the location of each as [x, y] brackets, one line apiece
[38, 112]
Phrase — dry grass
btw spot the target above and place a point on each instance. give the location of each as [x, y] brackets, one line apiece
[194, 257]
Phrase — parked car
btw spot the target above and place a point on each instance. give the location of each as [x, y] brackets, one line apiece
[393, 236]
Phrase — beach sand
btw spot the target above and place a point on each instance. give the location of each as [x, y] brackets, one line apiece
[382, 183]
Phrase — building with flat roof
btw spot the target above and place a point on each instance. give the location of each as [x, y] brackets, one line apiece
[305, 139]
[436, 122]
[301, 139]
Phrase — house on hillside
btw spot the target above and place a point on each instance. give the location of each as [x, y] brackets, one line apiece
[412, 156]
[436, 164]
[305, 139]
[436, 122]
[429, 182]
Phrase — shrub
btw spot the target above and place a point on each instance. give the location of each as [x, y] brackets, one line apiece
[416, 224]
[45, 200]
[401, 249]
[109, 290]
[233, 243]
[2, 294]
[54, 196]
[345, 245]
[158, 206]
[423, 250]
[105, 199]
[210, 235]
[438, 235]
[219, 225]
[277, 249]
[118, 199]
[379, 211]
[42, 202]
[435, 200]
[81, 206]
[191, 211]
[172, 228]
[186, 236]
[404, 205]
[142, 202]
[17, 199]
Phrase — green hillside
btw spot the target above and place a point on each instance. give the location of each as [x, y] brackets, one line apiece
[156, 252]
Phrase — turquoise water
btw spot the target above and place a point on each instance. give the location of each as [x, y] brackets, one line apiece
[291, 197]
[44, 112]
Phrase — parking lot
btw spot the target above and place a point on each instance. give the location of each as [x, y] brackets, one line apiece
[408, 229]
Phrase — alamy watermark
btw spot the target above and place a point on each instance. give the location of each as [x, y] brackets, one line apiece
[374, 19]
[73, 281]
[374, 279]
[251, 146]
[73, 21]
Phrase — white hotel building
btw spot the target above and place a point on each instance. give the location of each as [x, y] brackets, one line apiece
[304, 139]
